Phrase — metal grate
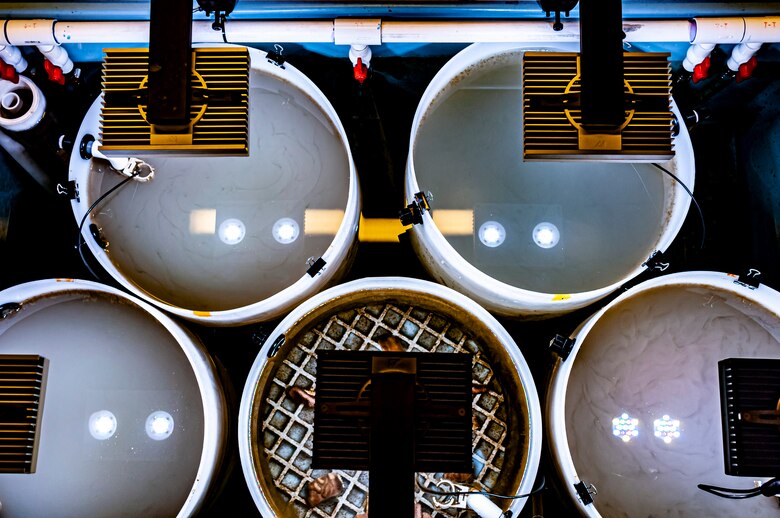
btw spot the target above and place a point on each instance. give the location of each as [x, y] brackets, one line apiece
[288, 427]
[551, 115]
[219, 111]
[22, 379]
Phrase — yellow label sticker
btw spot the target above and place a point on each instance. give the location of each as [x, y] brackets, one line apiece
[202, 313]
[561, 297]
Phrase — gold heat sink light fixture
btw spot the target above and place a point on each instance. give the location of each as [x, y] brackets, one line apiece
[552, 128]
[219, 114]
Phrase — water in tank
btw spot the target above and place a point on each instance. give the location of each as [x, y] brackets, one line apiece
[528, 237]
[131, 415]
[636, 411]
[227, 240]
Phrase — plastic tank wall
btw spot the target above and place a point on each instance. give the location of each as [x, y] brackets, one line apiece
[736, 144]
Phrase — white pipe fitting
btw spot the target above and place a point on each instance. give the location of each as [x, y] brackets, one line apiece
[11, 102]
[13, 56]
[762, 29]
[696, 54]
[717, 30]
[742, 54]
[118, 163]
[483, 507]
[57, 56]
[28, 32]
[360, 51]
[24, 114]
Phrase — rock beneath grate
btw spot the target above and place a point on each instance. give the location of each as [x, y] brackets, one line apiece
[478, 389]
[392, 343]
[419, 513]
[323, 488]
[301, 396]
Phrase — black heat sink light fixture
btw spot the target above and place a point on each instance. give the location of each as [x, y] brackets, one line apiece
[393, 414]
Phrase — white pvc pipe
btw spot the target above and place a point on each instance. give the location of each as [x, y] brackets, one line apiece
[701, 30]
[468, 32]
[34, 112]
[696, 54]
[742, 54]
[106, 32]
[57, 56]
[11, 102]
[13, 56]
[29, 32]
[49, 32]
[764, 29]
[717, 30]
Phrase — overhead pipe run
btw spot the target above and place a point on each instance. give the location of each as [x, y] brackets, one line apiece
[357, 31]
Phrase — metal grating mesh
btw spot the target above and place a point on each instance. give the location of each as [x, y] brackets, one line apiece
[21, 382]
[220, 109]
[548, 77]
[287, 427]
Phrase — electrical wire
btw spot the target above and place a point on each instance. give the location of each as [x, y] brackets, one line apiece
[438, 492]
[80, 237]
[693, 199]
[769, 488]
[734, 494]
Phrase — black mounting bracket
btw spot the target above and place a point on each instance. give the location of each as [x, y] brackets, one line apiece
[557, 7]
[657, 261]
[562, 346]
[751, 279]
[412, 214]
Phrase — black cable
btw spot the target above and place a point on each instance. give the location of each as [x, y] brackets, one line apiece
[696, 203]
[733, 494]
[769, 488]
[538, 489]
[80, 238]
[222, 20]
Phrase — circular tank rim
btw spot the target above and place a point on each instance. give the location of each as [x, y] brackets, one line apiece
[336, 256]
[559, 377]
[215, 422]
[369, 284]
[448, 266]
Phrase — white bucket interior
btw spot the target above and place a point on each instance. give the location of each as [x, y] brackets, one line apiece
[635, 410]
[227, 240]
[109, 355]
[600, 221]
[275, 438]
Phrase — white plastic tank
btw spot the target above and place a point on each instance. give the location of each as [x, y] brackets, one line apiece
[229, 240]
[635, 409]
[276, 429]
[528, 239]
[132, 419]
